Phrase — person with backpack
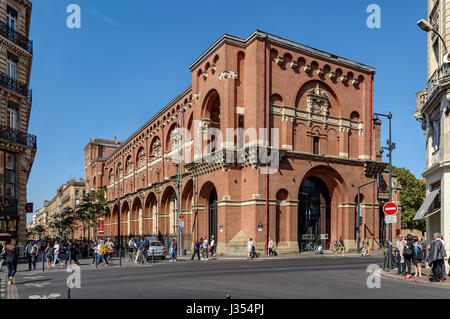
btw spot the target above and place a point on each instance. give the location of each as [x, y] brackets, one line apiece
[408, 255]
[31, 254]
[417, 257]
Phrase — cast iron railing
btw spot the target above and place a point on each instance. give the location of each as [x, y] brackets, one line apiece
[17, 136]
[16, 37]
[16, 86]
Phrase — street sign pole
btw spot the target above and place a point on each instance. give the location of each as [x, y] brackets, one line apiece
[390, 190]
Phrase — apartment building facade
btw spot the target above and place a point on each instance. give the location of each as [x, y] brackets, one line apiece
[17, 147]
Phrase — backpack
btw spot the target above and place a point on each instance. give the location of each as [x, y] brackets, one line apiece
[407, 251]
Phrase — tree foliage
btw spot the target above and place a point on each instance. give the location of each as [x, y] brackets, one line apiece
[412, 196]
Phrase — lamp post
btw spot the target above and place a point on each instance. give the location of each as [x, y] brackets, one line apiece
[427, 27]
[390, 148]
[118, 217]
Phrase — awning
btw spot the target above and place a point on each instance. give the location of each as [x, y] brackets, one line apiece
[426, 204]
[433, 212]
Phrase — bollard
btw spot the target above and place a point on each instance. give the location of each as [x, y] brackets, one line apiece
[153, 256]
[68, 293]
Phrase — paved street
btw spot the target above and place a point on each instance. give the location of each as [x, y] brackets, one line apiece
[291, 277]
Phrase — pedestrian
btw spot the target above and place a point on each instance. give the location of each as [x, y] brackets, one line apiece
[173, 250]
[109, 248]
[407, 255]
[341, 247]
[250, 247]
[367, 246]
[101, 251]
[2, 255]
[212, 248]
[270, 246]
[12, 254]
[400, 259]
[31, 254]
[436, 254]
[131, 249]
[49, 254]
[146, 248]
[140, 252]
[444, 272]
[197, 245]
[417, 257]
[56, 251]
[205, 249]
[69, 253]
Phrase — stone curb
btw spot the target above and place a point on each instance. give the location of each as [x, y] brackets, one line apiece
[415, 281]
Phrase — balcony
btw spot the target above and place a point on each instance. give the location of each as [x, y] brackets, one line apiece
[17, 136]
[11, 84]
[16, 37]
[421, 99]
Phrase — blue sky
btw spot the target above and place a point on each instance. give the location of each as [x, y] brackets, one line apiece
[130, 58]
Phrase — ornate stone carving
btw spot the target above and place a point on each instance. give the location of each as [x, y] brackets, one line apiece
[157, 148]
[307, 68]
[195, 96]
[293, 64]
[317, 103]
[355, 82]
[205, 124]
[26, 161]
[205, 75]
[228, 75]
[332, 75]
[344, 79]
[320, 72]
[213, 68]
[279, 60]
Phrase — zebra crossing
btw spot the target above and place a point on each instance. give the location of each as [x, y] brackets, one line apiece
[3, 287]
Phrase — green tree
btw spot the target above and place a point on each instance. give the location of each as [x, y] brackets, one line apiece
[65, 223]
[412, 196]
[39, 230]
[92, 207]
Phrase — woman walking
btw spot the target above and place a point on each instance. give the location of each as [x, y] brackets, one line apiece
[417, 257]
[12, 253]
[408, 255]
[49, 254]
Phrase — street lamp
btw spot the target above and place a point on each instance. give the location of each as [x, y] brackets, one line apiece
[390, 148]
[358, 211]
[427, 27]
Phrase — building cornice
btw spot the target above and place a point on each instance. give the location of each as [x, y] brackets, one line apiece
[301, 48]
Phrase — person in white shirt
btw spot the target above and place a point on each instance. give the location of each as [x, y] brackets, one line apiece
[249, 248]
[213, 246]
[205, 249]
[56, 248]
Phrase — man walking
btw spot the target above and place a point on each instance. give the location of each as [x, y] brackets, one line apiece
[173, 256]
[435, 257]
[400, 259]
[205, 249]
[31, 254]
[197, 245]
[212, 246]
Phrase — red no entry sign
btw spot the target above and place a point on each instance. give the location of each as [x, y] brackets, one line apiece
[390, 208]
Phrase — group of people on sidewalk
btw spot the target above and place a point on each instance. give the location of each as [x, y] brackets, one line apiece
[411, 252]
[204, 247]
[138, 249]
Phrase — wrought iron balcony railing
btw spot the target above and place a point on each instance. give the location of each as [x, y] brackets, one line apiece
[16, 86]
[17, 136]
[16, 37]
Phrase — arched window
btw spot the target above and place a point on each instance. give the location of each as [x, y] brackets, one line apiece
[129, 165]
[141, 158]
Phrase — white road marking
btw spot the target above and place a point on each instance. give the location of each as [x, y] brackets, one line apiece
[39, 285]
[51, 296]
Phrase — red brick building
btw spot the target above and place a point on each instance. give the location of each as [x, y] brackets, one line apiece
[319, 107]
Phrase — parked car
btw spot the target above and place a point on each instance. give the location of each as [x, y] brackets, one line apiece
[158, 249]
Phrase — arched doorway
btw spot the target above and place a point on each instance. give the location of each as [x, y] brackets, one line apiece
[212, 211]
[314, 214]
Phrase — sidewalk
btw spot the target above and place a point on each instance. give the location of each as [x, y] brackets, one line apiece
[393, 274]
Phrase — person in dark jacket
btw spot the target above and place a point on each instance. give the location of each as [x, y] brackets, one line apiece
[197, 248]
[12, 253]
[436, 254]
[408, 255]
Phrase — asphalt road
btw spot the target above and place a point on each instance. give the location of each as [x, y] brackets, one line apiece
[315, 277]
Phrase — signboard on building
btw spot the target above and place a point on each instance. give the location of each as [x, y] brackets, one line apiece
[101, 226]
[29, 208]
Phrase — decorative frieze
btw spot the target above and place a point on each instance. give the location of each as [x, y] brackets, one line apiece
[228, 75]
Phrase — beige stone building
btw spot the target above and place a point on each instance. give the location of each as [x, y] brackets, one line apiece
[433, 110]
[17, 147]
[68, 195]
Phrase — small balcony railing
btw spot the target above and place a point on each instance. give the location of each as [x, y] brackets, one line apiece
[16, 136]
[16, 86]
[16, 37]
